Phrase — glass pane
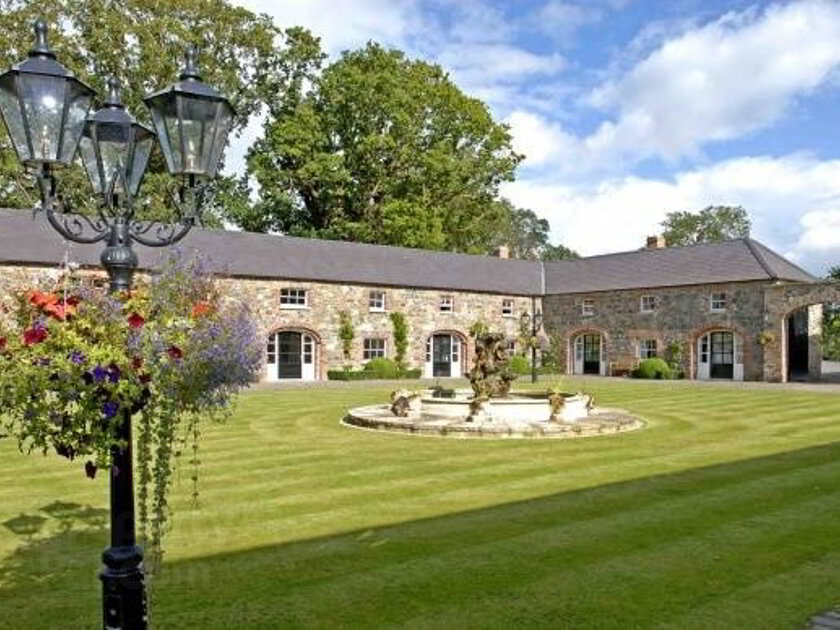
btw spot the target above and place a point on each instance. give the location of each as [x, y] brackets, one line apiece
[223, 127]
[86, 152]
[142, 150]
[113, 143]
[77, 109]
[196, 117]
[165, 121]
[12, 116]
[43, 102]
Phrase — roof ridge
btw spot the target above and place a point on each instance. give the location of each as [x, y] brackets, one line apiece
[754, 243]
[761, 261]
[645, 250]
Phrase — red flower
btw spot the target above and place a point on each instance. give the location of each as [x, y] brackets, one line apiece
[201, 309]
[34, 335]
[137, 363]
[60, 310]
[41, 299]
[2, 343]
[135, 320]
[175, 352]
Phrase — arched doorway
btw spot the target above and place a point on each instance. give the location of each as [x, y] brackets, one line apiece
[444, 355]
[291, 355]
[589, 354]
[720, 355]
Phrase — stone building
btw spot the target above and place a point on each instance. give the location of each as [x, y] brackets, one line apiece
[733, 310]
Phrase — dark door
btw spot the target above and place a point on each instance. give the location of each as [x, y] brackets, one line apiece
[592, 354]
[723, 355]
[798, 345]
[442, 355]
[288, 355]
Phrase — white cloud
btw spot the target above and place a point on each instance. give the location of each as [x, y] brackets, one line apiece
[720, 81]
[540, 141]
[794, 202]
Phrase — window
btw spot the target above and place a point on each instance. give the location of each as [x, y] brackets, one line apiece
[271, 357]
[376, 301]
[447, 304]
[507, 308]
[648, 303]
[293, 298]
[587, 307]
[511, 347]
[719, 302]
[373, 348]
[648, 349]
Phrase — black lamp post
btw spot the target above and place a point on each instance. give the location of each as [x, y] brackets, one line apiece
[45, 112]
[533, 321]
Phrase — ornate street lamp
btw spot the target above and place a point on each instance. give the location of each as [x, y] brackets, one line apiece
[44, 109]
[534, 322]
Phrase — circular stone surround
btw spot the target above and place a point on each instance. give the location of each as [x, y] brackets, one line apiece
[601, 421]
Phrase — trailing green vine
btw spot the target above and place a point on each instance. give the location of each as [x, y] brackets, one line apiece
[346, 333]
[400, 327]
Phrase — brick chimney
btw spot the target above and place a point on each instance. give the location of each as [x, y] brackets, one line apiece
[656, 242]
[503, 251]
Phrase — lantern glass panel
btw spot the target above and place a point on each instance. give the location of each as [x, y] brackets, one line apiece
[88, 155]
[144, 141]
[12, 115]
[43, 103]
[224, 122]
[165, 119]
[78, 104]
[114, 145]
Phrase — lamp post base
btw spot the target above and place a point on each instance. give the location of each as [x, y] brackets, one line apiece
[123, 589]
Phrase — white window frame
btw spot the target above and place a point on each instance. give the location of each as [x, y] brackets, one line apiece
[290, 298]
[376, 301]
[507, 307]
[369, 352]
[447, 304]
[715, 301]
[648, 304]
[587, 307]
[645, 351]
[511, 347]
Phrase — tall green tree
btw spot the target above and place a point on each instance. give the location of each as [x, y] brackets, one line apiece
[711, 225]
[558, 252]
[384, 149]
[142, 42]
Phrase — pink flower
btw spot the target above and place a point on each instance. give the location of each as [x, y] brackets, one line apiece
[2, 343]
[135, 320]
[34, 335]
[175, 352]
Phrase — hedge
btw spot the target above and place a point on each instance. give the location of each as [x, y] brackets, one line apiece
[653, 368]
[364, 375]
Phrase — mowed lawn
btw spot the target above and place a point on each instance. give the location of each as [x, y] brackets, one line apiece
[724, 512]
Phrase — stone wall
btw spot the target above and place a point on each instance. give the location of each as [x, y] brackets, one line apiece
[682, 315]
[421, 308]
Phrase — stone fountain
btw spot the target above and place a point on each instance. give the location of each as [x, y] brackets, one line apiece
[490, 408]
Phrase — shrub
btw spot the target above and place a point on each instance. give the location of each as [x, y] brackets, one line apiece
[346, 333]
[386, 368]
[653, 368]
[519, 365]
[369, 375]
[400, 338]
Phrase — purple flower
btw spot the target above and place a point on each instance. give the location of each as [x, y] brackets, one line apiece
[99, 374]
[114, 373]
[109, 409]
[76, 357]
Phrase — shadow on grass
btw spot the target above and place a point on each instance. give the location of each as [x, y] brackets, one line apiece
[754, 543]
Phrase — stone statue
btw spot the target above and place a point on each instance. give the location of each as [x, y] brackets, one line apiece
[403, 402]
[490, 376]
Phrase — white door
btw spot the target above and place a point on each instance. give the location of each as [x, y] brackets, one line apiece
[307, 359]
[578, 358]
[290, 356]
[720, 355]
[443, 356]
[455, 365]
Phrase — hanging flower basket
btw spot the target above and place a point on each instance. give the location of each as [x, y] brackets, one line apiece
[75, 360]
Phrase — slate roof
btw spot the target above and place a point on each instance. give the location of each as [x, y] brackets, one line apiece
[27, 241]
[740, 260]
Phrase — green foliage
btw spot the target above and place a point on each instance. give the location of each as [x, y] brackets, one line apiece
[75, 361]
[346, 333]
[653, 368]
[831, 335]
[385, 367]
[142, 43]
[519, 365]
[400, 327]
[383, 149]
[558, 252]
[833, 273]
[674, 354]
[711, 225]
[478, 327]
[369, 375]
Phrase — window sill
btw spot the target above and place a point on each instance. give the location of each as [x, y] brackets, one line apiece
[294, 307]
[377, 310]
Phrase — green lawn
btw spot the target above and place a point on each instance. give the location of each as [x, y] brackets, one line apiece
[723, 512]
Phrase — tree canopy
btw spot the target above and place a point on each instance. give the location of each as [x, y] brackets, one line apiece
[142, 42]
[711, 225]
[381, 148]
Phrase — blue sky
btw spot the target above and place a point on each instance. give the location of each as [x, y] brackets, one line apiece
[628, 109]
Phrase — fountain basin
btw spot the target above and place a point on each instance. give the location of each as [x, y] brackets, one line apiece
[519, 407]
